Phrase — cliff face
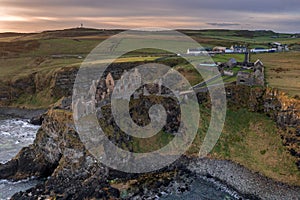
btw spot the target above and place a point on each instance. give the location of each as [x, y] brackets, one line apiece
[47, 86]
[285, 111]
[62, 82]
[71, 171]
[58, 152]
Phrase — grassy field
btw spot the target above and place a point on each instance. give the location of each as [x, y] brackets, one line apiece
[22, 54]
[253, 38]
[282, 71]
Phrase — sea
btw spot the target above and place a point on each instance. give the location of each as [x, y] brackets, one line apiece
[203, 188]
[18, 133]
[14, 135]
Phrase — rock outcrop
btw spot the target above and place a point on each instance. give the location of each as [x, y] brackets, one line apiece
[285, 111]
[52, 85]
[57, 153]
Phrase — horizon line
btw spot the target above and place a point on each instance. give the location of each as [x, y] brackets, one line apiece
[124, 29]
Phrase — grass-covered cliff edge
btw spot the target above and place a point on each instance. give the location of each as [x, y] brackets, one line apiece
[261, 130]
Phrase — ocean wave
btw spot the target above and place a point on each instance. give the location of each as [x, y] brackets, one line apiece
[15, 134]
[9, 188]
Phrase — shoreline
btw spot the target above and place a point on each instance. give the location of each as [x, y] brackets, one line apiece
[225, 175]
[23, 113]
[244, 183]
[249, 184]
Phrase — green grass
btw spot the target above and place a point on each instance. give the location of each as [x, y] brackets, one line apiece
[23, 62]
[160, 140]
[39, 100]
[14, 68]
[190, 73]
[63, 46]
[282, 70]
[229, 79]
[227, 57]
[252, 140]
[236, 69]
[253, 38]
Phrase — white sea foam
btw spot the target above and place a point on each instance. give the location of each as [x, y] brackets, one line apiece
[4, 133]
[8, 188]
[15, 134]
[222, 187]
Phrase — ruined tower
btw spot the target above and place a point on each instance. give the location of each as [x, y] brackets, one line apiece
[247, 57]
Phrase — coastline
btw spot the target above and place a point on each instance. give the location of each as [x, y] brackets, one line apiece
[249, 184]
[237, 179]
[226, 176]
[23, 113]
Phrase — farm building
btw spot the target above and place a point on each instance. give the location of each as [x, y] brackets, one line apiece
[238, 49]
[259, 50]
[219, 49]
[198, 51]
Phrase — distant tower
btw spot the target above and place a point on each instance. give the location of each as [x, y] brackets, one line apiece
[81, 25]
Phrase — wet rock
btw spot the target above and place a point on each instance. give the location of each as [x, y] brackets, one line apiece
[58, 153]
[26, 164]
[9, 169]
[37, 120]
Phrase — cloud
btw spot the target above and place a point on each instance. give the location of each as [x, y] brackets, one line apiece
[254, 14]
[223, 24]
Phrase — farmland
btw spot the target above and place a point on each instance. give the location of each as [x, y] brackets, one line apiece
[23, 54]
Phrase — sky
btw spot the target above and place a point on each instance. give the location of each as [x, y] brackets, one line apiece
[39, 15]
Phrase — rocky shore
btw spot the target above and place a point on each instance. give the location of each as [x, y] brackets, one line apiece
[238, 181]
[251, 185]
[173, 180]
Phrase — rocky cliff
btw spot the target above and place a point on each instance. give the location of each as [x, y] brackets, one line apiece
[57, 153]
[71, 172]
[285, 111]
[38, 89]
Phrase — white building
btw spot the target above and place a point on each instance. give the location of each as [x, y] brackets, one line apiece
[197, 51]
[259, 50]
